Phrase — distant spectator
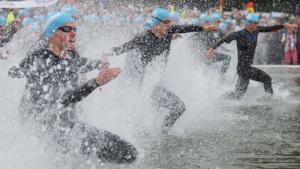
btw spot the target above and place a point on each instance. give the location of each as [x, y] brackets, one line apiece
[298, 36]
[290, 52]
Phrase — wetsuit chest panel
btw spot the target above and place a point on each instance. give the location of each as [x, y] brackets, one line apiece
[154, 46]
[50, 75]
[246, 44]
[63, 71]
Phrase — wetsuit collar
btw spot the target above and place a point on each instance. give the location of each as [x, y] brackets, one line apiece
[249, 31]
[68, 53]
[152, 33]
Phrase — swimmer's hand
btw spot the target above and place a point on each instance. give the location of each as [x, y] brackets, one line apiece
[107, 74]
[176, 36]
[210, 53]
[210, 28]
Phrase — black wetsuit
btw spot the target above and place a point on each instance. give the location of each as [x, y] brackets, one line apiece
[149, 47]
[51, 93]
[246, 45]
[6, 37]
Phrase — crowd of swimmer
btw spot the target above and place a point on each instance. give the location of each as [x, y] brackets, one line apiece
[53, 87]
[11, 20]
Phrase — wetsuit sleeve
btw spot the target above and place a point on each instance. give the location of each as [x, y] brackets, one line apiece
[22, 70]
[227, 38]
[126, 47]
[89, 65]
[6, 38]
[77, 94]
[270, 28]
[185, 28]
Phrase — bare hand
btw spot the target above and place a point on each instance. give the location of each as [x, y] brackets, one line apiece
[210, 28]
[210, 53]
[176, 36]
[107, 74]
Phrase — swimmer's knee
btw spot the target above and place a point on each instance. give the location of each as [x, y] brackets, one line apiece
[117, 150]
[120, 154]
[131, 155]
[268, 79]
[180, 108]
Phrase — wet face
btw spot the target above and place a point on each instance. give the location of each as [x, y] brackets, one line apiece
[252, 27]
[65, 36]
[163, 27]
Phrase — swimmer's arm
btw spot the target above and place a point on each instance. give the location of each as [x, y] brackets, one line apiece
[270, 28]
[22, 69]
[6, 38]
[192, 28]
[15, 72]
[185, 28]
[126, 47]
[2, 43]
[76, 95]
[227, 38]
[90, 65]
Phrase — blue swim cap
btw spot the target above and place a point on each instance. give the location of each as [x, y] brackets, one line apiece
[160, 14]
[23, 12]
[204, 18]
[216, 17]
[50, 14]
[69, 9]
[228, 21]
[55, 22]
[252, 18]
[175, 16]
[149, 24]
[223, 26]
[2, 21]
[27, 21]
